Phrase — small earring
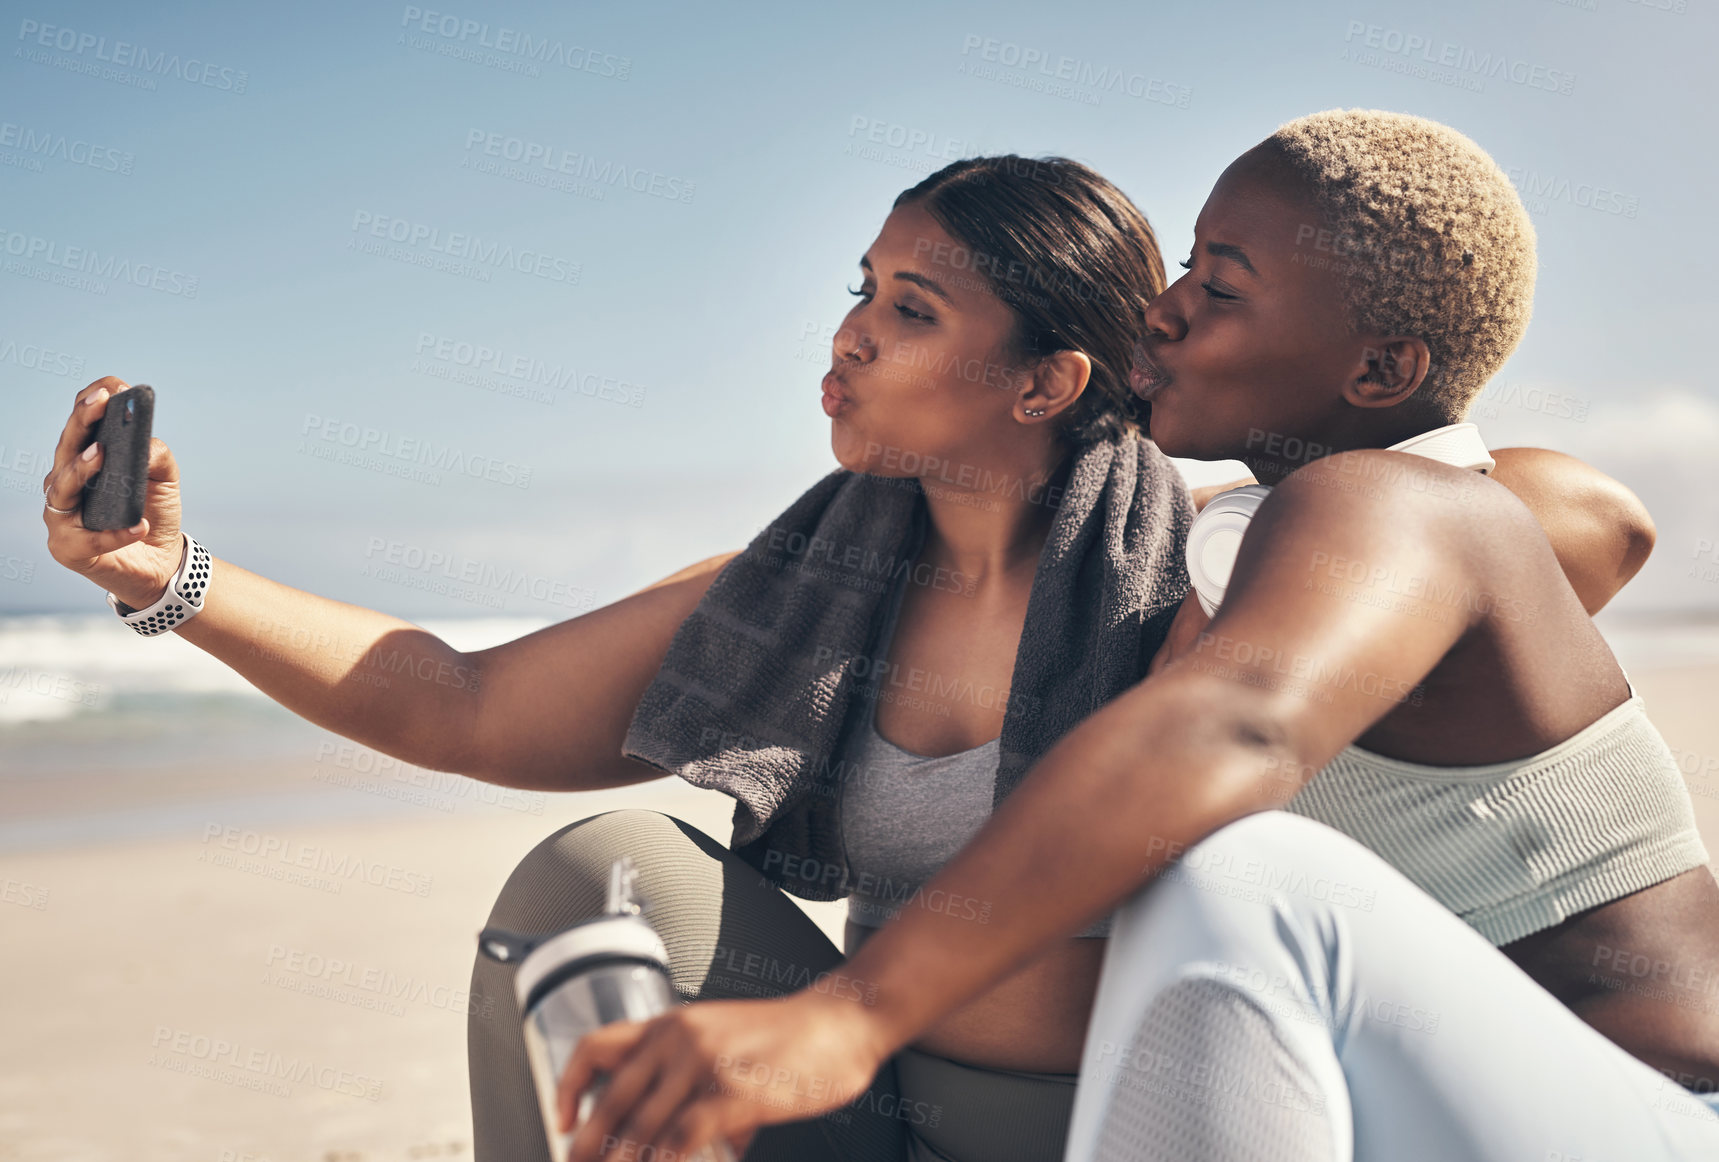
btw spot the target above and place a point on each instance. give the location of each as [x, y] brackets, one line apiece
[1036, 411]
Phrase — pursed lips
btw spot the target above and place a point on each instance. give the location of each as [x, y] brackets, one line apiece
[1145, 378]
[835, 397]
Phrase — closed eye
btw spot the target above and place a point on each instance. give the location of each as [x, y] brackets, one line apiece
[1212, 292]
[905, 311]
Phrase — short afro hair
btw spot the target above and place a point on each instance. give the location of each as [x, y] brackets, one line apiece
[1432, 237]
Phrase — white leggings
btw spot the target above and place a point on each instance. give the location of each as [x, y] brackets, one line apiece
[1282, 994]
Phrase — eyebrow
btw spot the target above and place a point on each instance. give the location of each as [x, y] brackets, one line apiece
[917, 279]
[1235, 253]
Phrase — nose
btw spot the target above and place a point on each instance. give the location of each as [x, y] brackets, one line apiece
[852, 345]
[1163, 318]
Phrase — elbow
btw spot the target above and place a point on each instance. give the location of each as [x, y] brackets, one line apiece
[1229, 749]
[1621, 520]
[1640, 537]
[1599, 529]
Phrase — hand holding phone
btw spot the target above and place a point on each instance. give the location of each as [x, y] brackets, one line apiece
[114, 497]
[125, 484]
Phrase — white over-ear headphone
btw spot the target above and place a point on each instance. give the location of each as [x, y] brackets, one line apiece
[1216, 536]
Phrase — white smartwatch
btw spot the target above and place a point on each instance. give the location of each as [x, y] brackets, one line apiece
[183, 599]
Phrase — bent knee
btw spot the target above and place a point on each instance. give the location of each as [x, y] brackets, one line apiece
[1279, 838]
[1274, 828]
[606, 829]
[576, 859]
[1266, 855]
[622, 818]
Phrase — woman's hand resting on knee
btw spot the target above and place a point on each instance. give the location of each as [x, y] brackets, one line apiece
[718, 1070]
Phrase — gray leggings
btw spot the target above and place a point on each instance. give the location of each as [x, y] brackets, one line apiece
[731, 934]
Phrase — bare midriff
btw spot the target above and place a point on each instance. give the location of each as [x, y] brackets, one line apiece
[1034, 1020]
[1643, 970]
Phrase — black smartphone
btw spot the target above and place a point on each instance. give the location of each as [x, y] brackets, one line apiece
[114, 496]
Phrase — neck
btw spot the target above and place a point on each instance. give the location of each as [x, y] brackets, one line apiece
[991, 523]
[1272, 457]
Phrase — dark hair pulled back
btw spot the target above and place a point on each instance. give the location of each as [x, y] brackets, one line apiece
[1074, 259]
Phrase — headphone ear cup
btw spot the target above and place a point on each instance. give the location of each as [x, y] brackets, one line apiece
[1215, 539]
[1216, 536]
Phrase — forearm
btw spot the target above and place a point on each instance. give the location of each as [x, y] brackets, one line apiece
[368, 676]
[1120, 796]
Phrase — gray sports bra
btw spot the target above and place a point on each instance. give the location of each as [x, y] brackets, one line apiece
[903, 815]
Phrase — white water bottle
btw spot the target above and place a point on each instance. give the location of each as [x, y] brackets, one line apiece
[611, 968]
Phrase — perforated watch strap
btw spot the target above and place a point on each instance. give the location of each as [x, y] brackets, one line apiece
[183, 598]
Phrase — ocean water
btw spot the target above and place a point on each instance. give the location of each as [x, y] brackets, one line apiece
[99, 726]
[84, 670]
[87, 704]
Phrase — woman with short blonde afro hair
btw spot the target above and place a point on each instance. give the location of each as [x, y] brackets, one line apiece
[1473, 782]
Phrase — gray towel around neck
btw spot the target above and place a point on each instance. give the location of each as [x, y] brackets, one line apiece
[754, 694]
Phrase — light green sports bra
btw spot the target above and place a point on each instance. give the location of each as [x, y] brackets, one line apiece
[1519, 846]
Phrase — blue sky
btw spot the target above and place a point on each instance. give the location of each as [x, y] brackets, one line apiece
[308, 167]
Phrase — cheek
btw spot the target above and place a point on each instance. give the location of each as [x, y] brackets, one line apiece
[1245, 379]
[918, 418]
[899, 416]
[1226, 350]
[1178, 425]
[1207, 424]
[945, 379]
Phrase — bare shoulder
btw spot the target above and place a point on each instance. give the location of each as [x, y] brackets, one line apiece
[1396, 492]
[699, 573]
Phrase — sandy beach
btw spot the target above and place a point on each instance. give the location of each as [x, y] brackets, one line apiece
[143, 975]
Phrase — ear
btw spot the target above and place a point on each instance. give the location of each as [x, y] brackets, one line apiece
[1388, 371]
[1056, 382]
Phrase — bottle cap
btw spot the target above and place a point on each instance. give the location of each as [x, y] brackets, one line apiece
[605, 938]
